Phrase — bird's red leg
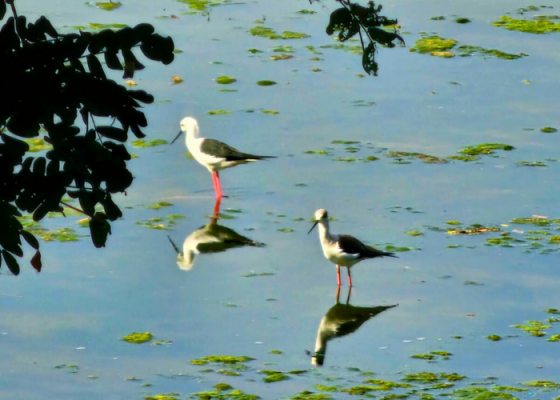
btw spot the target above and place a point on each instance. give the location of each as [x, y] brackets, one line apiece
[214, 182]
[219, 185]
[349, 277]
[337, 294]
[338, 275]
[217, 208]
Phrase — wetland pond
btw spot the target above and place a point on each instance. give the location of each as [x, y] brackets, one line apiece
[446, 159]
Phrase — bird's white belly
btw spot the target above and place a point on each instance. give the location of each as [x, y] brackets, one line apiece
[338, 257]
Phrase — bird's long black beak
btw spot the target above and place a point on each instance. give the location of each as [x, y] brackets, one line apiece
[176, 137]
[314, 225]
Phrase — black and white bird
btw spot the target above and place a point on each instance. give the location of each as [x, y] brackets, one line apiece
[341, 320]
[213, 154]
[343, 250]
[210, 238]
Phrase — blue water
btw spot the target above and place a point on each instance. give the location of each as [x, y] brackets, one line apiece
[91, 298]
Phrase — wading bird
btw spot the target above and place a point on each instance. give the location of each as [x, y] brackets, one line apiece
[213, 154]
[339, 321]
[343, 250]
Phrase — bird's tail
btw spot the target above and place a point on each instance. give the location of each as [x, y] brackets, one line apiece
[386, 254]
[261, 157]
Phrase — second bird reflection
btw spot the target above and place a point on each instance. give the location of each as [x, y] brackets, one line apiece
[210, 238]
[341, 320]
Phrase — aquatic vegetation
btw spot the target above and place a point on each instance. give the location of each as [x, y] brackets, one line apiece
[218, 112]
[203, 5]
[254, 51]
[107, 6]
[430, 377]
[530, 164]
[161, 342]
[462, 20]
[168, 396]
[474, 229]
[276, 352]
[342, 46]
[548, 129]
[220, 387]
[148, 143]
[138, 338]
[60, 235]
[430, 44]
[545, 384]
[485, 148]
[231, 360]
[480, 393]
[438, 18]
[281, 57]
[539, 26]
[36, 145]
[539, 221]
[228, 90]
[306, 12]
[269, 33]
[159, 205]
[414, 233]
[480, 51]
[359, 390]
[494, 338]
[307, 395]
[553, 310]
[386, 385]
[253, 274]
[96, 25]
[534, 328]
[272, 112]
[283, 49]
[266, 83]
[176, 79]
[225, 80]
[424, 157]
[285, 230]
[554, 338]
[160, 223]
[273, 376]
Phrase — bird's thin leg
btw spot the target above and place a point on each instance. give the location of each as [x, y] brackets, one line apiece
[219, 185]
[215, 184]
[349, 293]
[349, 277]
[338, 275]
[337, 292]
[216, 210]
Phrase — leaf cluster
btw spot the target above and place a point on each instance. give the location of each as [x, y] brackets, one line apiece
[47, 79]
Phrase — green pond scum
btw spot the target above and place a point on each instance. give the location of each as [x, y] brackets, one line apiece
[159, 205]
[138, 338]
[148, 143]
[539, 26]
[269, 33]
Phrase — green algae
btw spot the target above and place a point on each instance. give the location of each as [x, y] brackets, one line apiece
[386, 385]
[220, 387]
[36, 145]
[274, 376]
[160, 223]
[307, 395]
[298, 371]
[169, 396]
[467, 51]
[107, 6]
[60, 235]
[158, 205]
[228, 90]
[228, 372]
[438, 18]
[225, 80]
[148, 143]
[509, 389]
[549, 129]
[535, 221]
[541, 383]
[494, 338]
[530, 164]
[540, 26]
[276, 352]
[462, 20]
[263, 31]
[272, 112]
[464, 158]
[266, 83]
[285, 230]
[430, 377]
[253, 274]
[414, 233]
[485, 148]
[424, 157]
[283, 49]
[138, 338]
[254, 51]
[432, 44]
[554, 338]
[534, 328]
[218, 112]
[452, 222]
[230, 360]
[480, 393]
[281, 57]
[553, 310]
[306, 12]
[325, 388]
[341, 46]
[423, 356]
[359, 390]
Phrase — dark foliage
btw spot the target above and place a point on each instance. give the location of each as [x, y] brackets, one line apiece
[47, 79]
[354, 19]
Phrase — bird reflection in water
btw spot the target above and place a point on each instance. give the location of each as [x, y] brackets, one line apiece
[210, 238]
[341, 320]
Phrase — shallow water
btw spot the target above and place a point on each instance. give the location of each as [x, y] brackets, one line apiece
[88, 298]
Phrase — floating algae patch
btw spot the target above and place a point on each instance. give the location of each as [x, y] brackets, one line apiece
[231, 360]
[225, 80]
[307, 395]
[36, 145]
[203, 5]
[148, 143]
[346, 47]
[60, 235]
[266, 83]
[530, 164]
[480, 393]
[275, 377]
[538, 221]
[494, 338]
[220, 387]
[553, 310]
[158, 205]
[269, 33]
[546, 129]
[462, 20]
[160, 223]
[464, 158]
[467, 51]
[414, 233]
[539, 26]
[430, 377]
[281, 57]
[424, 157]
[138, 338]
[485, 148]
[283, 49]
[276, 352]
[168, 396]
[534, 328]
[107, 6]
[96, 25]
[433, 44]
[218, 112]
[386, 385]
[545, 384]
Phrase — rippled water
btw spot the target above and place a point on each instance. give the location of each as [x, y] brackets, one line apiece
[88, 299]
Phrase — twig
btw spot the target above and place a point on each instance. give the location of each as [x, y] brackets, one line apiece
[74, 208]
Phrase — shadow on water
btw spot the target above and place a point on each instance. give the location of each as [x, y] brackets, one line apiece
[352, 19]
[339, 321]
[210, 238]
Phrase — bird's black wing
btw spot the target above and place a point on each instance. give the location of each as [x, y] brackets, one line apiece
[222, 150]
[351, 245]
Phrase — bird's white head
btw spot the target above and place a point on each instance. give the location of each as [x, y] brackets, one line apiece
[321, 216]
[189, 125]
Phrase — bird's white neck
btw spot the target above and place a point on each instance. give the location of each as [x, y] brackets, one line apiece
[192, 134]
[324, 233]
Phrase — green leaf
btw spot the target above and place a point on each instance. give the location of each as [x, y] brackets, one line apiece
[11, 262]
[30, 239]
